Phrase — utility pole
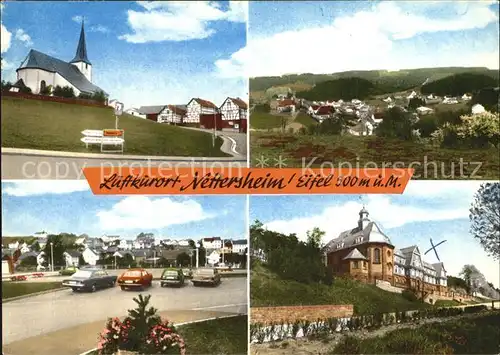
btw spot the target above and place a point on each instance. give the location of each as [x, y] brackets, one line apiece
[52, 255]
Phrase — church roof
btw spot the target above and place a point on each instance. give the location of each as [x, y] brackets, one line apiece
[81, 50]
[39, 60]
[356, 236]
[355, 254]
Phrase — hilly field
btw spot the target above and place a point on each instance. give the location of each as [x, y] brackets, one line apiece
[43, 125]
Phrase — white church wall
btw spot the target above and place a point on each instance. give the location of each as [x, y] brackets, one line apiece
[33, 77]
[85, 69]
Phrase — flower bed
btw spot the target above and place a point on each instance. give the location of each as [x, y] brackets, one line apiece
[261, 333]
[142, 332]
[19, 278]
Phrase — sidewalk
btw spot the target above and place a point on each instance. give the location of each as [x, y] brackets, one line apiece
[54, 153]
[77, 340]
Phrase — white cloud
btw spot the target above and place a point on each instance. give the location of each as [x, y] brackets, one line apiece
[363, 41]
[463, 190]
[23, 37]
[179, 20]
[77, 18]
[43, 187]
[338, 218]
[137, 212]
[99, 28]
[5, 38]
[6, 65]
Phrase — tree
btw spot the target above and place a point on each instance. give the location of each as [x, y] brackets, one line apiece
[29, 261]
[485, 218]
[81, 260]
[314, 237]
[397, 123]
[415, 103]
[64, 91]
[192, 244]
[466, 273]
[6, 85]
[46, 90]
[183, 259]
[57, 250]
[202, 254]
[35, 247]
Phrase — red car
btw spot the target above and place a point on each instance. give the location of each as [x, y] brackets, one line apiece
[135, 278]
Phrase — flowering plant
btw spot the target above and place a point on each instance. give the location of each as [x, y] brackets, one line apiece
[142, 331]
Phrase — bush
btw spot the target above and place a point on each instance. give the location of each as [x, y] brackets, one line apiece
[474, 131]
[47, 90]
[142, 331]
[409, 295]
[65, 91]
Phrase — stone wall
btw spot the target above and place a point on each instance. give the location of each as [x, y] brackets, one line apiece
[291, 314]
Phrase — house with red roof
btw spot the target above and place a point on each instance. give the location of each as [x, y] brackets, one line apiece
[197, 107]
[234, 113]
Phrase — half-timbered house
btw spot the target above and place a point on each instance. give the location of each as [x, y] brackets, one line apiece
[234, 114]
[172, 114]
[197, 107]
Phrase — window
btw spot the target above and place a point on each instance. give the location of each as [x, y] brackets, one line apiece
[86, 66]
[355, 264]
[389, 253]
[376, 256]
[43, 85]
[364, 264]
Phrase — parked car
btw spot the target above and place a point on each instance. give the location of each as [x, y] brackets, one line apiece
[172, 277]
[137, 278]
[188, 273]
[206, 276]
[89, 280]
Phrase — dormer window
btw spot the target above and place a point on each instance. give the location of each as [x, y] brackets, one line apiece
[340, 245]
[359, 239]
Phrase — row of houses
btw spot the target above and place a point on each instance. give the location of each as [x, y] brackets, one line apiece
[141, 242]
[231, 115]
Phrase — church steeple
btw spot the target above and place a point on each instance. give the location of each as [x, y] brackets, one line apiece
[363, 218]
[81, 50]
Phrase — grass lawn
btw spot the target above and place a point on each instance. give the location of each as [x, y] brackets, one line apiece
[447, 303]
[220, 336]
[264, 120]
[267, 289]
[305, 120]
[471, 335]
[15, 289]
[429, 162]
[35, 124]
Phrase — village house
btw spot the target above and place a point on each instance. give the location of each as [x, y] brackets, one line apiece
[477, 109]
[366, 254]
[134, 112]
[151, 112]
[196, 108]
[323, 112]
[422, 110]
[72, 258]
[449, 101]
[239, 246]
[172, 114]
[286, 105]
[126, 244]
[38, 71]
[234, 114]
[212, 243]
[91, 256]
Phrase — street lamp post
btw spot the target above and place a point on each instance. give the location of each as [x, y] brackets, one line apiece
[154, 258]
[223, 247]
[52, 256]
[197, 257]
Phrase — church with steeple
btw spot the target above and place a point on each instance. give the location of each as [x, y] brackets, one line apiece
[39, 70]
[365, 253]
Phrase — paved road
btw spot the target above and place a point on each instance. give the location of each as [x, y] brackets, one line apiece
[21, 166]
[58, 310]
[238, 139]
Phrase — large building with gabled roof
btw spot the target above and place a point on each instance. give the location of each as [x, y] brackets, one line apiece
[367, 254]
[40, 70]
